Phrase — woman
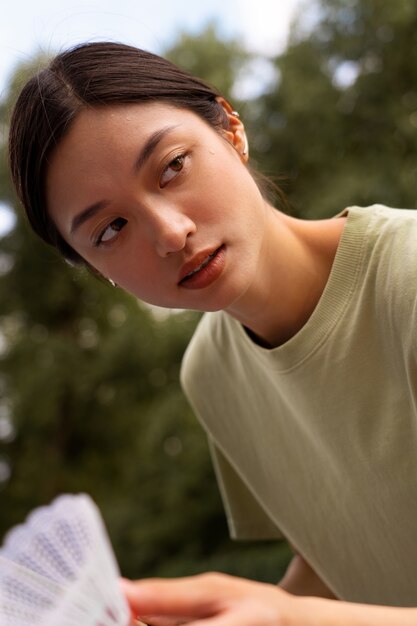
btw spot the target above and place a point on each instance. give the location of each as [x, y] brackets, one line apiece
[303, 372]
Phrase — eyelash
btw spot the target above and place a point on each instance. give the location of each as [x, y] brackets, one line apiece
[180, 158]
[99, 241]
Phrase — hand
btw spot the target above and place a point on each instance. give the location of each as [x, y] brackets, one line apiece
[220, 600]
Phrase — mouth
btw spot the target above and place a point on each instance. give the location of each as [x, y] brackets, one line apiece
[202, 269]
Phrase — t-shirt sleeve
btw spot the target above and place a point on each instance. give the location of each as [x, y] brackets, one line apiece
[246, 518]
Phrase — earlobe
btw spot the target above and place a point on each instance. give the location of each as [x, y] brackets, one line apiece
[236, 131]
[245, 145]
[241, 144]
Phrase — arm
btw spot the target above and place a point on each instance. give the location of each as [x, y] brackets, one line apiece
[220, 600]
[301, 580]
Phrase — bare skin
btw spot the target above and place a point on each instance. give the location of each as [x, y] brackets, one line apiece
[152, 223]
[220, 600]
[301, 580]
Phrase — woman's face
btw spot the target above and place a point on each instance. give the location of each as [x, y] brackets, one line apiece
[157, 200]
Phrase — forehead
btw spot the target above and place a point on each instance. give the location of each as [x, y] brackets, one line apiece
[117, 123]
[102, 139]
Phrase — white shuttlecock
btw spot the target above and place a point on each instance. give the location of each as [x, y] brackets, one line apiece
[59, 569]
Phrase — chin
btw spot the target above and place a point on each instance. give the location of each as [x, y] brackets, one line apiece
[225, 298]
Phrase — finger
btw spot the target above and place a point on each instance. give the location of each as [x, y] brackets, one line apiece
[158, 620]
[195, 596]
[228, 618]
[251, 611]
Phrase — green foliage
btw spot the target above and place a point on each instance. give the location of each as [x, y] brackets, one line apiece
[90, 399]
[345, 143]
[217, 61]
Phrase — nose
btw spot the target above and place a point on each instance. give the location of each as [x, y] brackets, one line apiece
[170, 230]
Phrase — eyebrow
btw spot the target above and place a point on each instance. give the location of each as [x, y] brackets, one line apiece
[144, 155]
[86, 214]
[151, 144]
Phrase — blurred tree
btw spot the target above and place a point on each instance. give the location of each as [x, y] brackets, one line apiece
[89, 378]
[341, 119]
[218, 61]
[90, 401]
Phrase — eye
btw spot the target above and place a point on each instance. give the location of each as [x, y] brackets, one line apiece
[172, 170]
[110, 232]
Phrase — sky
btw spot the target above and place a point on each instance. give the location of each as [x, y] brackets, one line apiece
[29, 26]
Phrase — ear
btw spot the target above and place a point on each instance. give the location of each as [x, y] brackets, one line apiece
[235, 134]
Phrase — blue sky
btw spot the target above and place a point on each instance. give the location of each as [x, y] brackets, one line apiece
[28, 26]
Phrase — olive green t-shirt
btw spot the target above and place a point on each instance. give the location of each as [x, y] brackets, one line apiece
[316, 440]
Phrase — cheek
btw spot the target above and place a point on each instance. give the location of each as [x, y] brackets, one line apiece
[215, 199]
[136, 272]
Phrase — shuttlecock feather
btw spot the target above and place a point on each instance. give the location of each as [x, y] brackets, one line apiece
[58, 569]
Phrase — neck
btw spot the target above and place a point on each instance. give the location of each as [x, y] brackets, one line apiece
[292, 272]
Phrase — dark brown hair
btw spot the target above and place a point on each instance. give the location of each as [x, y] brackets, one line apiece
[90, 75]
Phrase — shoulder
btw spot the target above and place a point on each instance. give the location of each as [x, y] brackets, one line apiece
[379, 220]
[390, 266]
[392, 242]
[389, 237]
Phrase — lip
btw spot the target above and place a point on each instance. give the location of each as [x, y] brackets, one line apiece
[203, 268]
